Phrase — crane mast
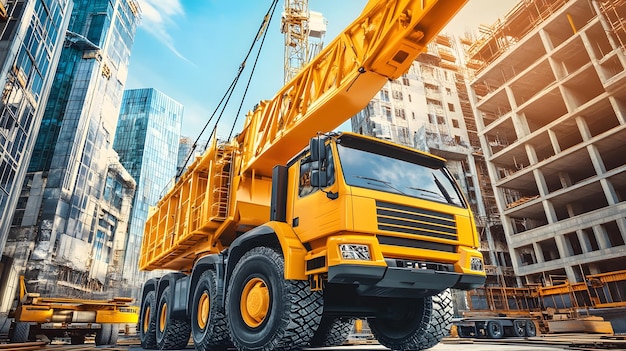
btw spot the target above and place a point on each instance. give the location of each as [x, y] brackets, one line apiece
[295, 26]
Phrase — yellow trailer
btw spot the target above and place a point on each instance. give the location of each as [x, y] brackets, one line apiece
[73, 318]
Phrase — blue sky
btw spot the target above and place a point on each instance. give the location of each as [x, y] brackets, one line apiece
[191, 49]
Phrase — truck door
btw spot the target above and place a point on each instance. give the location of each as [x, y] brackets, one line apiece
[314, 212]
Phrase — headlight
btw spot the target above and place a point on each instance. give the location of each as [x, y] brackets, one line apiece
[355, 252]
[476, 264]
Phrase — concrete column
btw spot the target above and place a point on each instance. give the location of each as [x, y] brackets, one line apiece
[609, 191]
[585, 244]
[531, 154]
[620, 110]
[545, 39]
[566, 180]
[520, 124]
[567, 246]
[593, 268]
[602, 237]
[621, 224]
[550, 212]
[571, 276]
[554, 141]
[583, 128]
[541, 182]
[565, 250]
[538, 253]
[596, 159]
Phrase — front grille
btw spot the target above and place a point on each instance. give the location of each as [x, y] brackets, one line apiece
[416, 221]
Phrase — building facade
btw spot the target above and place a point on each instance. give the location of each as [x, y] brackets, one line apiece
[147, 140]
[31, 38]
[72, 153]
[549, 95]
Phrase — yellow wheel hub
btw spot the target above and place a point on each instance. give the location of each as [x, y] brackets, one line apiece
[255, 302]
[203, 310]
[163, 318]
[146, 319]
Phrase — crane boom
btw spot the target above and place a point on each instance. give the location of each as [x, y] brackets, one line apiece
[378, 46]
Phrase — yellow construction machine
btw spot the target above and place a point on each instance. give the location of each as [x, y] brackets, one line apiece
[56, 317]
[274, 244]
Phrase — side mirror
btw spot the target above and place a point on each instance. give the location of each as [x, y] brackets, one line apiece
[318, 148]
[318, 178]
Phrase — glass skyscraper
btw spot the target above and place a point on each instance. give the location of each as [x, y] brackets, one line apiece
[31, 38]
[147, 140]
[69, 176]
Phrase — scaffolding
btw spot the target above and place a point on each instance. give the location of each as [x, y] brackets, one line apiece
[615, 11]
[496, 39]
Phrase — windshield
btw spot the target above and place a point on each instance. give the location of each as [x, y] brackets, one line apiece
[379, 172]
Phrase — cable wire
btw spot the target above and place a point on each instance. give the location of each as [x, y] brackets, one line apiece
[260, 35]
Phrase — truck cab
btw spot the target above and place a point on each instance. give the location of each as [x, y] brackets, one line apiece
[385, 219]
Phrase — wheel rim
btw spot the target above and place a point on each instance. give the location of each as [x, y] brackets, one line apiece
[203, 310]
[495, 330]
[519, 326]
[163, 317]
[255, 302]
[146, 319]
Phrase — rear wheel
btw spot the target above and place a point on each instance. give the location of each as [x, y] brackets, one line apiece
[147, 321]
[495, 330]
[519, 328]
[416, 324]
[266, 312]
[332, 331]
[103, 335]
[208, 323]
[171, 334]
[531, 329]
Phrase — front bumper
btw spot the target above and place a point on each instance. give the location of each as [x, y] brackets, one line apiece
[396, 282]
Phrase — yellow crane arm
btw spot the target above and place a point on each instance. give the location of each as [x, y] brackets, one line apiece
[378, 46]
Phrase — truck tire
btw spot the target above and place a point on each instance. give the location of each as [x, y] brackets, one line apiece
[495, 330]
[333, 331]
[531, 329]
[208, 323]
[147, 321]
[20, 332]
[115, 333]
[418, 324]
[519, 328]
[266, 312]
[171, 334]
[103, 335]
[106, 335]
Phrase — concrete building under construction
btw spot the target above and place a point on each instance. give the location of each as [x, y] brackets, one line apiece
[549, 95]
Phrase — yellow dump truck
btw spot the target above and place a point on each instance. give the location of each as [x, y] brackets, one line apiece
[56, 317]
[281, 237]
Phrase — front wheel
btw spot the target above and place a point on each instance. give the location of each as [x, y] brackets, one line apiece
[266, 312]
[332, 331]
[415, 324]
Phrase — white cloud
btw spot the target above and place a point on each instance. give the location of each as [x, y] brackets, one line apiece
[158, 17]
